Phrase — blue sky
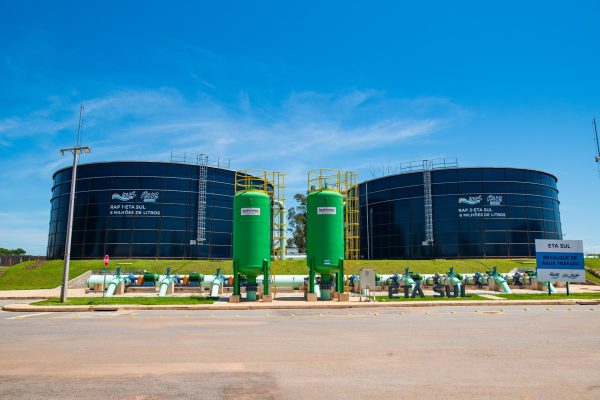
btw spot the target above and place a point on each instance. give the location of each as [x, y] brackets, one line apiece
[293, 86]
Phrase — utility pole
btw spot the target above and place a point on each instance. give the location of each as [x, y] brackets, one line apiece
[597, 158]
[78, 149]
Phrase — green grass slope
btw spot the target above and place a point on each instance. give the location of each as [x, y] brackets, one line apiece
[593, 263]
[48, 274]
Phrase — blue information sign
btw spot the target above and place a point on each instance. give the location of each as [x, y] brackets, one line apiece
[560, 260]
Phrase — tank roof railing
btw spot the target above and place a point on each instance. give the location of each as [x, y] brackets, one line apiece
[270, 182]
[414, 166]
[200, 159]
[324, 178]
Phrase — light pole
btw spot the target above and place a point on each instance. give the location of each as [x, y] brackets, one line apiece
[76, 151]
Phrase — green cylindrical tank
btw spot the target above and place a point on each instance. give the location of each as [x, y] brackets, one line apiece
[324, 230]
[251, 231]
[251, 235]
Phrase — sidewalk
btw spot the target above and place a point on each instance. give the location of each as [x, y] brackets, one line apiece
[284, 301]
[294, 305]
[37, 294]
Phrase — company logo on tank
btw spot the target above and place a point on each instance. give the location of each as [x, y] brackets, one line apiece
[472, 200]
[494, 200]
[149, 197]
[326, 211]
[250, 211]
[125, 196]
[493, 210]
[135, 209]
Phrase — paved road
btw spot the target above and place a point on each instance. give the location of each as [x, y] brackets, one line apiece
[452, 353]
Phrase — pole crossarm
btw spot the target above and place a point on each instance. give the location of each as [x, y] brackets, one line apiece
[76, 149]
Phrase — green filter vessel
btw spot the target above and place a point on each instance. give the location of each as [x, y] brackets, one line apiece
[251, 240]
[325, 239]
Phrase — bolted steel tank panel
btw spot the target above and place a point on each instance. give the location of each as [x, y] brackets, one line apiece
[251, 231]
[324, 230]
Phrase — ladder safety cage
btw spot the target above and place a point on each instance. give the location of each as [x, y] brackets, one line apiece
[428, 202]
[424, 166]
[351, 224]
[202, 162]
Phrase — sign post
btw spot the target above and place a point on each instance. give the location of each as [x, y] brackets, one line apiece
[560, 261]
[106, 262]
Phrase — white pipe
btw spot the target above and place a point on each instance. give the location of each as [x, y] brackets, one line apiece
[164, 285]
[502, 282]
[112, 286]
[208, 280]
[215, 286]
[281, 230]
[293, 281]
[95, 279]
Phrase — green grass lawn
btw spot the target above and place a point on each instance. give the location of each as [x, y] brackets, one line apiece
[593, 278]
[385, 299]
[94, 301]
[593, 263]
[554, 296]
[48, 274]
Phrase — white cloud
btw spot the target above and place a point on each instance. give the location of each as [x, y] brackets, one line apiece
[306, 130]
[306, 125]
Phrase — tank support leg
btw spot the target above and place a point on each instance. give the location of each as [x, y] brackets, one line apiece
[265, 277]
[236, 280]
[311, 278]
[340, 277]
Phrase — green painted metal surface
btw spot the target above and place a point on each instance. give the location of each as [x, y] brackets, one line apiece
[324, 230]
[251, 232]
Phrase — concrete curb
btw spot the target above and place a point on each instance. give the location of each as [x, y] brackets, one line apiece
[23, 298]
[271, 306]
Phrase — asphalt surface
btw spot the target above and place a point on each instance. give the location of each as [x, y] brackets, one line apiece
[503, 352]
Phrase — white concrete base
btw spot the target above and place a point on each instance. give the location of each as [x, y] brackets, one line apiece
[344, 297]
[171, 288]
[267, 298]
[311, 297]
[120, 289]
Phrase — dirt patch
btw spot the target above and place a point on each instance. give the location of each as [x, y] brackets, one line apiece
[35, 265]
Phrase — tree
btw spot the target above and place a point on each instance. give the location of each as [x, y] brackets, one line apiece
[297, 223]
[16, 252]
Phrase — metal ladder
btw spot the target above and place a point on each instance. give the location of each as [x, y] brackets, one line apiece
[428, 203]
[274, 185]
[201, 228]
[351, 223]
